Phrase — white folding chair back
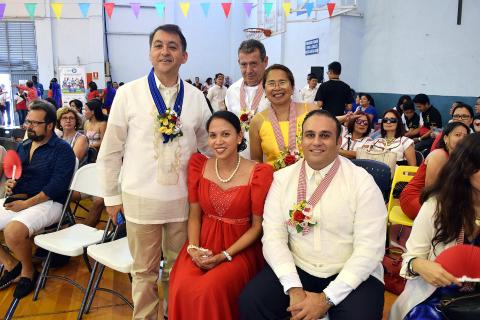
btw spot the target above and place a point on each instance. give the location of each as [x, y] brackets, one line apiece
[86, 181]
[115, 255]
[71, 241]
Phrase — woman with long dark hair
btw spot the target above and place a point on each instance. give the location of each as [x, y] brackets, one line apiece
[428, 171]
[450, 215]
[223, 252]
[96, 123]
[393, 139]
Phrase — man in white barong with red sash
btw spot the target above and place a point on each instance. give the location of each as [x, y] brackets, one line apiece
[246, 96]
[155, 124]
[323, 236]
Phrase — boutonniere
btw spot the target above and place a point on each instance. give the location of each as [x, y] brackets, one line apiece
[169, 125]
[286, 159]
[301, 217]
[245, 119]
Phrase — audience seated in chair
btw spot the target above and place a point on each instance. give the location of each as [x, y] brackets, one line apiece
[438, 226]
[393, 139]
[68, 123]
[428, 171]
[48, 164]
[355, 135]
[326, 258]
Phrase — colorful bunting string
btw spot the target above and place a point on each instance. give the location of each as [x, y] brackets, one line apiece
[109, 6]
[309, 8]
[205, 7]
[160, 9]
[2, 10]
[248, 6]
[226, 8]
[135, 8]
[286, 8]
[268, 8]
[31, 7]
[330, 7]
[185, 6]
[57, 9]
[84, 7]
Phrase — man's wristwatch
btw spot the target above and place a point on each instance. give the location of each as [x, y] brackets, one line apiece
[328, 300]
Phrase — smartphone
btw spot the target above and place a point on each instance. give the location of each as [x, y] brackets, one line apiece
[15, 197]
[120, 218]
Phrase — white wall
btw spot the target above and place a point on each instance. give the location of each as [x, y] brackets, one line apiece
[211, 41]
[413, 46]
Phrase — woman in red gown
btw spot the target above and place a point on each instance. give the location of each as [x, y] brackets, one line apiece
[223, 250]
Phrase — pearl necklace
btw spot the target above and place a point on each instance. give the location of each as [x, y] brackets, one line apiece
[233, 173]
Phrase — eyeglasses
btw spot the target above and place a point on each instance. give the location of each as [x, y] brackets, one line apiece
[361, 122]
[461, 116]
[68, 118]
[282, 84]
[389, 120]
[33, 123]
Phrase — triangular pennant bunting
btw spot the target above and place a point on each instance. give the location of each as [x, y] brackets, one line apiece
[57, 9]
[268, 8]
[84, 7]
[330, 7]
[185, 6]
[226, 8]
[135, 8]
[160, 9]
[299, 13]
[286, 8]
[309, 8]
[248, 6]
[205, 7]
[30, 6]
[2, 10]
[109, 8]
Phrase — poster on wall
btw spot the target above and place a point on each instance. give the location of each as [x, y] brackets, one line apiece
[72, 83]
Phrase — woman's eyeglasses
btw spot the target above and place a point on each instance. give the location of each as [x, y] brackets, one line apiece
[389, 120]
[461, 116]
[361, 122]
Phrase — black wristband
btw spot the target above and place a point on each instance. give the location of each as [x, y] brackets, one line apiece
[410, 269]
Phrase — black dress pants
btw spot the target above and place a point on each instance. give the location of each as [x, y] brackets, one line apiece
[263, 298]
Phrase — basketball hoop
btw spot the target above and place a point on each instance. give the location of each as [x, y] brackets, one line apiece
[257, 33]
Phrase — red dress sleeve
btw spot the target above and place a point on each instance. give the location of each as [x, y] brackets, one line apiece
[261, 180]
[195, 172]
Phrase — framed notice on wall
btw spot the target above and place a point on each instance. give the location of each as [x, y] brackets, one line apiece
[311, 46]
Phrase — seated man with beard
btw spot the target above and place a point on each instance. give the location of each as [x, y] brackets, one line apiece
[48, 164]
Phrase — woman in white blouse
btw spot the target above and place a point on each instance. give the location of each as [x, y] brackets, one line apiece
[440, 225]
[355, 135]
[392, 139]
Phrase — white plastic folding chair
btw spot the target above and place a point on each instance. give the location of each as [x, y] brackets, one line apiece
[74, 240]
[115, 255]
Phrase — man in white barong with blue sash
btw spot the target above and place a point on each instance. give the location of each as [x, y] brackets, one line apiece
[155, 124]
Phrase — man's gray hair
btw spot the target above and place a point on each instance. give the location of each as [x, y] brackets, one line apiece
[249, 46]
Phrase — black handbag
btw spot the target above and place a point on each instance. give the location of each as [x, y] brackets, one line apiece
[465, 307]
